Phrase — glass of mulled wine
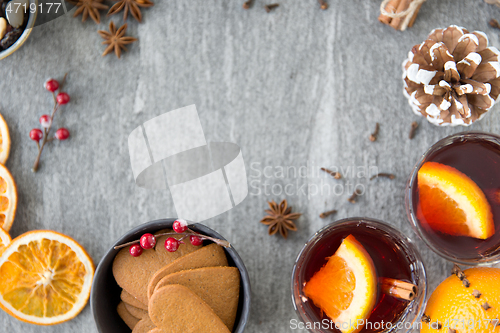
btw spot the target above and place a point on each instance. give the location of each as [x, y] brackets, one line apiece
[358, 275]
[453, 198]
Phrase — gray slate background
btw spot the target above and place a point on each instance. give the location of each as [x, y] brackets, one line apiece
[294, 86]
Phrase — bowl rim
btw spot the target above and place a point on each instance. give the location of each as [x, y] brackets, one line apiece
[159, 224]
[24, 36]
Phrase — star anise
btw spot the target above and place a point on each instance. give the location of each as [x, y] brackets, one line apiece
[115, 39]
[130, 5]
[89, 8]
[280, 218]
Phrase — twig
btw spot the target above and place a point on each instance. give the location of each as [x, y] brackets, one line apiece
[334, 174]
[185, 235]
[373, 136]
[47, 130]
[327, 213]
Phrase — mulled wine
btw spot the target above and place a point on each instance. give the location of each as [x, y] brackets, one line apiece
[393, 257]
[453, 198]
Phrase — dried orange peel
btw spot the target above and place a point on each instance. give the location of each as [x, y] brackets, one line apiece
[453, 203]
[4, 141]
[8, 199]
[346, 287]
[46, 278]
[4, 240]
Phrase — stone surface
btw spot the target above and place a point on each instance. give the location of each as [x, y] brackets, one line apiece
[292, 87]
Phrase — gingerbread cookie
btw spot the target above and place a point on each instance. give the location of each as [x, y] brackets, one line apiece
[144, 326]
[129, 299]
[130, 320]
[176, 309]
[219, 287]
[136, 312]
[207, 256]
[133, 273]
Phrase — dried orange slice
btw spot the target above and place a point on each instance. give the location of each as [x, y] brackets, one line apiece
[452, 203]
[8, 198]
[45, 278]
[346, 287]
[4, 240]
[4, 141]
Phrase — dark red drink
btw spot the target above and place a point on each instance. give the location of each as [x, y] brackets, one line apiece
[477, 156]
[392, 255]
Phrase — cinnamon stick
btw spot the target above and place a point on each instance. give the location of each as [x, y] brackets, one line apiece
[396, 22]
[412, 20]
[390, 8]
[397, 288]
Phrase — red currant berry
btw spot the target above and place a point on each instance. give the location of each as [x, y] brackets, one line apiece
[180, 226]
[148, 241]
[45, 121]
[36, 134]
[62, 134]
[135, 250]
[51, 85]
[62, 98]
[172, 244]
[195, 240]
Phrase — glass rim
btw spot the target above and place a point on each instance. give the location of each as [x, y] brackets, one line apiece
[410, 211]
[419, 301]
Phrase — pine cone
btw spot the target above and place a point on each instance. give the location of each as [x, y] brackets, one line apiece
[452, 78]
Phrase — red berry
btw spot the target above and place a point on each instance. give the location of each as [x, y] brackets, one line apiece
[62, 98]
[195, 240]
[36, 134]
[45, 121]
[172, 244]
[180, 226]
[148, 241]
[51, 85]
[62, 134]
[135, 250]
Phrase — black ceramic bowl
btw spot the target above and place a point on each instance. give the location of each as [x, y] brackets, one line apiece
[105, 294]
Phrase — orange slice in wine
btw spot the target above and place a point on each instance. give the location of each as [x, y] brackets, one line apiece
[345, 289]
[452, 203]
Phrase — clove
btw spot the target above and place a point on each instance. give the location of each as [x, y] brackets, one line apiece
[494, 23]
[248, 4]
[323, 4]
[413, 129]
[458, 272]
[382, 174]
[436, 325]
[476, 293]
[270, 7]
[354, 197]
[327, 213]
[485, 306]
[334, 174]
[426, 318]
[373, 136]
